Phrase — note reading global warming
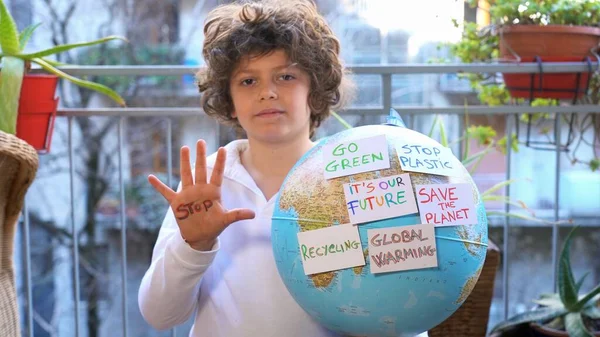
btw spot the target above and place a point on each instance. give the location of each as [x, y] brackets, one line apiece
[380, 198]
[402, 248]
[361, 155]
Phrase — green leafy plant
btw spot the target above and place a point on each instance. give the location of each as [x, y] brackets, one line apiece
[481, 45]
[566, 310]
[15, 62]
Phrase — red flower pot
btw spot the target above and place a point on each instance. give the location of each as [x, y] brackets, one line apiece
[37, 110]
[552, 43]
[551, 85]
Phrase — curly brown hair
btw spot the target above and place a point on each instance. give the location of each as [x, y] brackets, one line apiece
[252, 28]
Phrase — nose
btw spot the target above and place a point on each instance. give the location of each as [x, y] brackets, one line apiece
[268, 92]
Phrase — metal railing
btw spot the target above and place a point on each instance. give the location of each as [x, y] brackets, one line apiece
[385, 71]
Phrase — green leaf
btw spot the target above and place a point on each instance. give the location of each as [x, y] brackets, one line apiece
[484, 135]
[592, 312]
[9, 35]
[476, 156]
[575, 327]
[55, 63]
[467, 140]
[11, 79]
[580, 283]
[550, 300]
[585, 299]
[443, 137]
[498, 186]
[540, 314]
[433, 125]
[341, 120]
[63, 48]
[566, 282]
[82, 83]
[594, 164]
[506, 200]
[26, 35]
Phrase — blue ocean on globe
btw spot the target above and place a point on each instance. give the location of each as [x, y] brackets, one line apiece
[353, 301]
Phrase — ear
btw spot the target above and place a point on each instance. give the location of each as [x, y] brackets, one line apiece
[233, 114]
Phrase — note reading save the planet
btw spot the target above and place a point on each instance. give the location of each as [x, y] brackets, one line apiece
[381, 198]
[360, 155]
[402, 248]
[426, 159]
[331, 248]
[446, 204]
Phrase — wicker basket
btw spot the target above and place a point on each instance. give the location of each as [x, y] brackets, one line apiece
[18, 166]
[471, 319]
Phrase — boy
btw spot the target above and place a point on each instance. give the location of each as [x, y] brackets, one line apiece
[273, 69]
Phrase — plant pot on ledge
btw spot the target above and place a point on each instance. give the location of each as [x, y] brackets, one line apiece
[37, 110]
[544, 331]
[542, 44]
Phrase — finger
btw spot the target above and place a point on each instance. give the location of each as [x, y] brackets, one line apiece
[200, 173]
[238, 214]
[216, 178]
[163, 189]
[184, 167]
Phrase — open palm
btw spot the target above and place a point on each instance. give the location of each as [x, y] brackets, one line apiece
[200, 214]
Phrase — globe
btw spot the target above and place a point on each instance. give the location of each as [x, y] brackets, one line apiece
[354, 301]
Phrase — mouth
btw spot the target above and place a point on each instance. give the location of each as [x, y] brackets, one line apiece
[269, 113]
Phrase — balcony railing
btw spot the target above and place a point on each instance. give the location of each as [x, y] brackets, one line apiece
[384, 71]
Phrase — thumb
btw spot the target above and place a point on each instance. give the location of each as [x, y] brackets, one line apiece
[238, 214]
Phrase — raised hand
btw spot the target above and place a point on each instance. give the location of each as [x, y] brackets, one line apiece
[197, 207]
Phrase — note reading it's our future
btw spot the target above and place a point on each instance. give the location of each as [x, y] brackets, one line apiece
[446, 204]
[380, 198]
[361, 155]
[402, 248]
[427, 159]
[332, 248]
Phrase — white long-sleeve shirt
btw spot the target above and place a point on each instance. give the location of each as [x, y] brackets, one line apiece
[235, 289]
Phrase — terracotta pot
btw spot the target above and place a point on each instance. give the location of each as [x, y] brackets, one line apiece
[552, 43]
[542, 331]
[37, 110]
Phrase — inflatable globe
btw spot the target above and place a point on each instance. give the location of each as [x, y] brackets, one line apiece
[360, 300]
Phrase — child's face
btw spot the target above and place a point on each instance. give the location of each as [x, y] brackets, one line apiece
[270, 98]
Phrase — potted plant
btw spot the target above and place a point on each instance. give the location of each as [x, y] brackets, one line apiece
[565, 313]
[538, 31]
[547, 31]
[28, 105]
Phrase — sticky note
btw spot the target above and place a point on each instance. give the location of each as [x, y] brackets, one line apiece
[331, 248]
[361, 155]
[380, 198]
[427, 159]
[446, 204]
[402, 248]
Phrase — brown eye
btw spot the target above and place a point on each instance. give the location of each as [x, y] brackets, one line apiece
[286, 77]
